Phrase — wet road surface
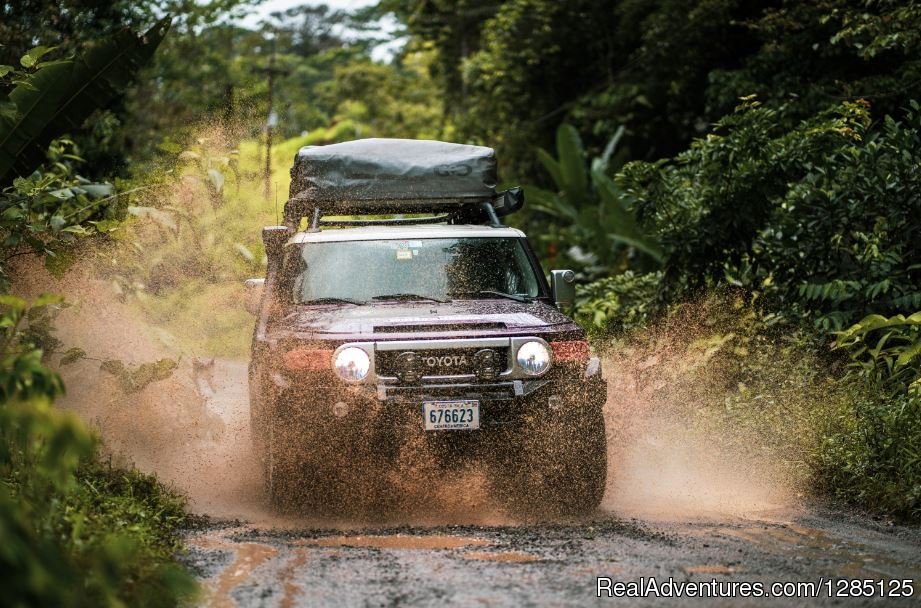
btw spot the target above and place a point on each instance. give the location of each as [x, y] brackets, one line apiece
[543, 564]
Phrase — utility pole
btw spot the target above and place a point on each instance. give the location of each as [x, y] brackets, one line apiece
[271, 119]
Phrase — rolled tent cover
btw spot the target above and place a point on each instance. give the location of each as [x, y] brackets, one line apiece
[396, 174]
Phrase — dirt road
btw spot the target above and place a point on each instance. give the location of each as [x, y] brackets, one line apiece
[726, 531]
[544, 564]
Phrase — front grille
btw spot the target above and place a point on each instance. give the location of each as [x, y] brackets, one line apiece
[435, 362]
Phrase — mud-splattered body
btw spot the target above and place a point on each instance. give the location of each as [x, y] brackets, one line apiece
[372, 341]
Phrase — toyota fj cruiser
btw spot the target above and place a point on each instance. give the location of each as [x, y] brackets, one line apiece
[376, 331]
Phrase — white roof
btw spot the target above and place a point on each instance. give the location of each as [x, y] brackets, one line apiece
[413, 231]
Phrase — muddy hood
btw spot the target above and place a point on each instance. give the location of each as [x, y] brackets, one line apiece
[433, 318]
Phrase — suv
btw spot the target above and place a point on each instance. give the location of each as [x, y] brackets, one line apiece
[440, 330]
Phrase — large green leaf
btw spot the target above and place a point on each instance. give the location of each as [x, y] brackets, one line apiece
[552, 167]
[552, 204]
[61, 96]
[908, 353]
[602, 162]
[619, 221]
[572, 165]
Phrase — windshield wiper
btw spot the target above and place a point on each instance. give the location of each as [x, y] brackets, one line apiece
[407, 296]
[331, 301]
[510, 296]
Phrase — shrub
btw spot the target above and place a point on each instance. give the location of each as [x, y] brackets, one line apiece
[818, 222]
[75, 532]
[722, 369]
[876, 462]
[618, 303]
[819, 219]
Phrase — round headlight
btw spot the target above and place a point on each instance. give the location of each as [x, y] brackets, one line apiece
[352, 363]
[533, 358]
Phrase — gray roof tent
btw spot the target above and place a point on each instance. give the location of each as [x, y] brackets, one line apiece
[378, 176]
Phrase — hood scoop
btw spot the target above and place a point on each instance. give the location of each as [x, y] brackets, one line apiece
[435, 327]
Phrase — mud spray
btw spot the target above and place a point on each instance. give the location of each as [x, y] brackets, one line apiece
[661, 467]
[669, 457]
[192, 429]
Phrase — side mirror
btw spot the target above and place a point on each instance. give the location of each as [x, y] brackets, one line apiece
[274, 239]
[563, 287]
[254, 289]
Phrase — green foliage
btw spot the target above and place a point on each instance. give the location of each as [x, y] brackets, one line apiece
[453, 29]
[43, 211]
[62, 24]
[212, 171]
[180, 258]
[68, 522]
[589, 208]
[23, 376]
[75, 533]
[323, 82]
[617, 304]
[887, 352]
[876, 462]
[774, 392]
[723, 369]
[59, 96]
[666, 70]
[818, 221]
[46, 213]
[531, 61]
[818, 218]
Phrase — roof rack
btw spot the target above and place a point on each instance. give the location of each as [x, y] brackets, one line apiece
[396, 221]
[449, 182]
[486, 212]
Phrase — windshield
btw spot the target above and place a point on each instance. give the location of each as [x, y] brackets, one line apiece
[436, 269]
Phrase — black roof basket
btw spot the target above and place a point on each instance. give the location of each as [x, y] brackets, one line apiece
[453, 183]
[443, 211]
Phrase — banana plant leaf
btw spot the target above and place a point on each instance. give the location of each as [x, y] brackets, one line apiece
[60, 96]
[619, 222]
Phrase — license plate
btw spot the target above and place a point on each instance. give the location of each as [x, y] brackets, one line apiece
[451, 415]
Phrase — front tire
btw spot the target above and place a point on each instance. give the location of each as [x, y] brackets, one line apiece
[556, 466]
[320, 471]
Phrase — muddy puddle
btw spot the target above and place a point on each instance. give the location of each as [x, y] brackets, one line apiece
[397, 541]
[238, 560]
[856, 559]
[509, 557]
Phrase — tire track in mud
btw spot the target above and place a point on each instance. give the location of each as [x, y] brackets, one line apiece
[247, 557]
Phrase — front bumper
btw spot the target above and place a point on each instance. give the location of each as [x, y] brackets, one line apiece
[321, 400]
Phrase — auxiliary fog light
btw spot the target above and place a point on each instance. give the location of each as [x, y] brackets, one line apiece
[352, 364]
[340, 409]
[534, 358]
[555, 402]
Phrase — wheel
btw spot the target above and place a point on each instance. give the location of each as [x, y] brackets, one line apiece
[323, 473]
[292, 482]
[277, 482]
[555, 466]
